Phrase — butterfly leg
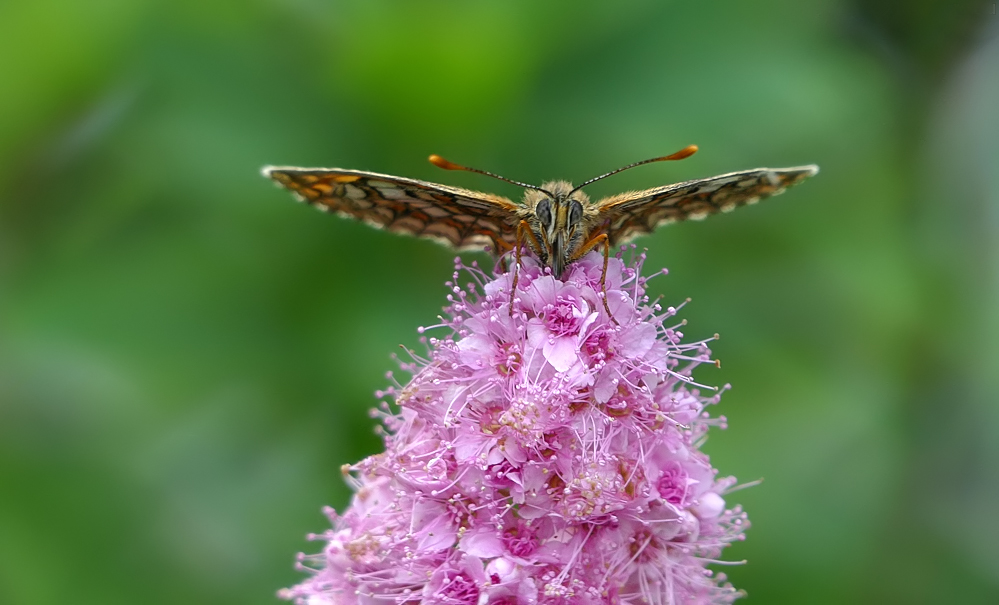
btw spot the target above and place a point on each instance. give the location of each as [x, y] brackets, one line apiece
[523, 228]
[500, 252]
[598, 240]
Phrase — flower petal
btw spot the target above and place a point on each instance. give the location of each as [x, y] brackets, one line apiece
[562, 352]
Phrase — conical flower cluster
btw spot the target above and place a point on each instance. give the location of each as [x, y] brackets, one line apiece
[548, 455]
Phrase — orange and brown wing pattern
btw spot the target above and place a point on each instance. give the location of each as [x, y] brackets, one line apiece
[459, 217]
[628, 215]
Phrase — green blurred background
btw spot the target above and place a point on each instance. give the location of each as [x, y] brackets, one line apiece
[187, 356]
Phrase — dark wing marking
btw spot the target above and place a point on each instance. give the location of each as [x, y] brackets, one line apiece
[628, 215]
[459, 217]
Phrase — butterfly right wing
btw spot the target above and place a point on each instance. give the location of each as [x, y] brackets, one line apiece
[462, 218]
[628, 215]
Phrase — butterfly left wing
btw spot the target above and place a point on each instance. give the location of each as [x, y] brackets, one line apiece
[628, 215]
[456, 216]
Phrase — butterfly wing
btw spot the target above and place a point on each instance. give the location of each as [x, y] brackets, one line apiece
[459, 217]
[628, 215]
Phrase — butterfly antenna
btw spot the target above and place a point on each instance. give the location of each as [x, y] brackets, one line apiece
[440, 162]
[686, 152]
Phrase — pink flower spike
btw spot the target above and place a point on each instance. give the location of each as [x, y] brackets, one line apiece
[548, 456]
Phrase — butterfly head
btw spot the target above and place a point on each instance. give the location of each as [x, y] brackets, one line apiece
[557, 223]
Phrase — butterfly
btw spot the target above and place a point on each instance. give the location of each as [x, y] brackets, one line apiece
[557, 221]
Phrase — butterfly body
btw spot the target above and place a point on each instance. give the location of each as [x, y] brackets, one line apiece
[557, 221]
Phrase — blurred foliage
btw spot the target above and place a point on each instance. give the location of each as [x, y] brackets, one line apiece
[186, 357]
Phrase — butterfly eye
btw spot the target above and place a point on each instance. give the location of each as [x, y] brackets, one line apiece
[544, 212]
[575, 213]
